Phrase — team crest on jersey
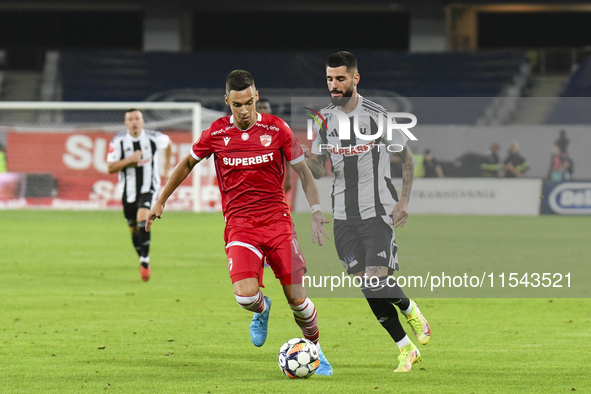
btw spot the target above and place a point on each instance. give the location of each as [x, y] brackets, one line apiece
[244, 136]
[266, 140]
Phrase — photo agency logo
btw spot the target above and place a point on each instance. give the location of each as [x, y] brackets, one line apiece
[341, 126]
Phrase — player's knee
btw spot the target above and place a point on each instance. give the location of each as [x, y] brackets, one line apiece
[248, 286]
[296, 301]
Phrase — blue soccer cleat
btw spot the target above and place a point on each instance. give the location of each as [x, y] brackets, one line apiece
[259, 325]
[324, 368]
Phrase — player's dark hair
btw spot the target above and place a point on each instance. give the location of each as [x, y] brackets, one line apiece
[343, 58]
[239, 80]
[132, 110]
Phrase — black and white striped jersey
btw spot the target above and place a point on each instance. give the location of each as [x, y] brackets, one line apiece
[144, 177]
[362, 187]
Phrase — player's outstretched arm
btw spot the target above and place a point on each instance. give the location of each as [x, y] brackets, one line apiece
[181, 171]
[400, 213]
[311, 192]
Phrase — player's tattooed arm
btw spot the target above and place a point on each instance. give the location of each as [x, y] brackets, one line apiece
[317, 164]
[408, 165]
[400, 213]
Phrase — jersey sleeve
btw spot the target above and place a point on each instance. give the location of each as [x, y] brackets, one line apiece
[202, 148]
[398, 137]
[317, 140]
[291, 147]
[114, 153]
[162, 140]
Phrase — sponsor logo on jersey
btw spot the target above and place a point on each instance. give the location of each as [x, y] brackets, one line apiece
[244, 136]
[268, 127]
[226, 140]
[143, 162]
[220, 131]
[111, 148]
[266, 140]
[247, 161]
[347, 150]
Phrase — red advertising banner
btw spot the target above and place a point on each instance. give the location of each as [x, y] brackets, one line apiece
[76, 164]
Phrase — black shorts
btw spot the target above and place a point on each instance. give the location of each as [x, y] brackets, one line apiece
[130, 209]
[366, 243]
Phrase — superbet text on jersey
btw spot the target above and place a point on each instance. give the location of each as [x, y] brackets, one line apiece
[250, 167]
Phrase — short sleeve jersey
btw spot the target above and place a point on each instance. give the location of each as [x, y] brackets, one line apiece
[143, 178]
[362, 186]
[250, 166]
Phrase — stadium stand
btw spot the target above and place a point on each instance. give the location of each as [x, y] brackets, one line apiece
[135, 76]
[572, 108]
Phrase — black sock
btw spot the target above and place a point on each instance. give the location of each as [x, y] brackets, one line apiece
[402, 303]
[384, 287]
[387, 315]
[135, 238]
[144, 237]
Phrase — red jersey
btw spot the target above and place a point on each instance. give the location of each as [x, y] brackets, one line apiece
[250, 167]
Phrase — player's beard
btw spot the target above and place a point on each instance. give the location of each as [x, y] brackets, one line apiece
[344, 99]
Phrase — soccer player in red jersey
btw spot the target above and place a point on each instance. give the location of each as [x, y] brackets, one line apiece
[249, 150]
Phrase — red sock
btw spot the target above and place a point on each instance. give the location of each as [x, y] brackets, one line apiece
[305, 317]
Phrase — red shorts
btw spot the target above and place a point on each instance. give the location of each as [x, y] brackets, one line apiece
[247, 249]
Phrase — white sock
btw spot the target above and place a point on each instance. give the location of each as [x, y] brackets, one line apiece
[409, 309]
[403, 342]
[255, 303]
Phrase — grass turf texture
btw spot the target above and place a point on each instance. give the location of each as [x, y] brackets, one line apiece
[75, 316]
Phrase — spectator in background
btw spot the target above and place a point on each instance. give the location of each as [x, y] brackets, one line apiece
[491, 166]
[2, 158]
[419, 169]
[515, 164]
[395, 166]
[562, 141]
[264, 106]
[560, 164]
[431, 168]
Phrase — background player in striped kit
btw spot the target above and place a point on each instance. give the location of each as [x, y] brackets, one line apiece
[134, 154]
[250, 150]
[365, 204]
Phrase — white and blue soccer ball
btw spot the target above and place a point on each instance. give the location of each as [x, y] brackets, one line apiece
[298, 358]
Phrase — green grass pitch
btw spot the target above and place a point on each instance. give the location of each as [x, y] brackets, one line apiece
[75, 316]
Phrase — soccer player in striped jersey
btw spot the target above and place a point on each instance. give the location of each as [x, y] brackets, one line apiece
[365, 204]
[134, 154]
[250, 149]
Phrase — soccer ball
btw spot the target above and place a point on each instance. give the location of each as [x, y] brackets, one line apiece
[298, 358]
